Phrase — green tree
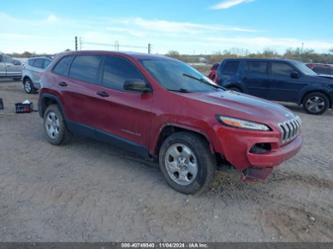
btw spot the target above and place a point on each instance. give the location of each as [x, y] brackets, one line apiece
[174, 54]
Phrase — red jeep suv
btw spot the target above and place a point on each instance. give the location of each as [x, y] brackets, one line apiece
[165, 110]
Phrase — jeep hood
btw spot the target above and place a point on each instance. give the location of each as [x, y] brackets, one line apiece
[244, 106]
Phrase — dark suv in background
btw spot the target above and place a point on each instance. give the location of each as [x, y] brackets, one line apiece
[279, 80]
[322, 69]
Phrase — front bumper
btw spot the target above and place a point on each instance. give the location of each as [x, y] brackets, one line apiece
[277, 156]
[235, 145]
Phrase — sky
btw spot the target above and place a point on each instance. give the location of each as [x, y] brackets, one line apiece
[187, 26]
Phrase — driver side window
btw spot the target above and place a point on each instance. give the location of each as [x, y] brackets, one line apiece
[118, 70]
[282, 69]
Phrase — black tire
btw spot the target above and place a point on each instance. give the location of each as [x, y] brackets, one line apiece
[63, 135]
[206, 162]
[28, 86]
[316, 103]
[235, 88]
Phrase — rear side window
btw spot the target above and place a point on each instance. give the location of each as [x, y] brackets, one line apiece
[258, 67]
[63, 65]
[230, 67]
[117, 70]
[1, 58]
[85, 68]
[282, 69]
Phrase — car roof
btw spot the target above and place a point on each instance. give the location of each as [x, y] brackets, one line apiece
[260, 59]
[136, 55]
[40, 57]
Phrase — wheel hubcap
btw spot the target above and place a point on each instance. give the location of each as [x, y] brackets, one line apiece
[315, 104]
[181, 164]
[27, 86]
[52, 125]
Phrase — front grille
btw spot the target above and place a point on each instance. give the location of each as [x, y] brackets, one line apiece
[290, 129]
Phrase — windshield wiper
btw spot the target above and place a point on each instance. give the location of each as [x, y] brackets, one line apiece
[180, 90]
[202, 80]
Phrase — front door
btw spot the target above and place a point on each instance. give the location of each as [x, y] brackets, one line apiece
[2, 66]
[286, 82]
[13, 67]
[122, 113]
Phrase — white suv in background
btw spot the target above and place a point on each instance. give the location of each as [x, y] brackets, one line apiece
[31, 73]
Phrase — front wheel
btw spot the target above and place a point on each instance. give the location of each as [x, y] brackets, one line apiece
[315, 103]
[28, 86]
[187, 163]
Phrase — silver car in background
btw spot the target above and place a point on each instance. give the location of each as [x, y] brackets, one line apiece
[9, 67]
[32, 70]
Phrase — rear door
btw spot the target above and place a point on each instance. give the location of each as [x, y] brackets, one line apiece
[283, 86]
[256, 79]
[81, 89]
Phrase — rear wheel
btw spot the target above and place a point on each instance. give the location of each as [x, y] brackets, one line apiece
[187, 163]
[315, 103]
[28, 86]
[54, 126]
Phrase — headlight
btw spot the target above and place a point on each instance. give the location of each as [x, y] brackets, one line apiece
[243, 124]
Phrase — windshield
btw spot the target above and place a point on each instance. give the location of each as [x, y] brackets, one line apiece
[178, 76]
[304, 69]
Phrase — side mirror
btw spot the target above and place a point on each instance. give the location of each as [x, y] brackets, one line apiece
[294, 75]
[137, 86]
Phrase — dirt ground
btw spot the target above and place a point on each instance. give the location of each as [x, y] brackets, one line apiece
[91, 191]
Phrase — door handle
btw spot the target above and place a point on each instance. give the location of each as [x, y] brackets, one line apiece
[102, 94]
[63, 84]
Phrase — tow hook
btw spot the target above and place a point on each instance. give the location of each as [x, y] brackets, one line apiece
[256, 174]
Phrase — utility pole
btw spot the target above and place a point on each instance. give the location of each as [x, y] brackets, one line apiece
[116, 46]
[75, 43]
[302, 47]
[149, 48]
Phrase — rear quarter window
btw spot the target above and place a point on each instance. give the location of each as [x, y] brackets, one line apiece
[46, 63]
[62, 67]
[230, 67]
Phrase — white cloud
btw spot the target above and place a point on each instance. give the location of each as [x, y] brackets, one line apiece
[52, 18]
[229, 3]
[134, 33]
[180, 27]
